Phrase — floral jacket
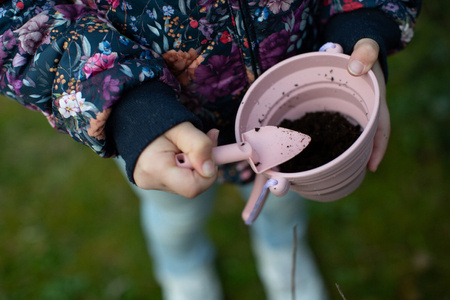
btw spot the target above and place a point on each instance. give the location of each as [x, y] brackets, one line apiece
[116, 74]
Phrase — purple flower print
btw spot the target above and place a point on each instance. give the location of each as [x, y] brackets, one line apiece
[391, 7]
[32, 34]
[206, 28]
[235, 4]
[207, 3]
[276, 6]
[71, 12]
[168, 78]
[7, 40]
[18, 60]
[3, 72]
[15, 83]
[3, 55]
[90, 3]
[222, 77]
[272, 49]
[110, 89]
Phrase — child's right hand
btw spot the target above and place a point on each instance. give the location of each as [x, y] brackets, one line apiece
[156, 168]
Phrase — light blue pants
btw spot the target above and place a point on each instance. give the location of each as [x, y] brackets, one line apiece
[174, 228]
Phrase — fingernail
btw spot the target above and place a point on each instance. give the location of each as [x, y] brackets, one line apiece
[209, 168]
[216, 134]
[356, 67]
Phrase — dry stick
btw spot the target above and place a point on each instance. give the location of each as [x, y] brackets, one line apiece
[340, 292]
[294, 259]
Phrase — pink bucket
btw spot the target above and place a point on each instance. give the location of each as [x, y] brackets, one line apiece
[312, 82]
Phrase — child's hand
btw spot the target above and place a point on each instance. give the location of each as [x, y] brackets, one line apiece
[156, 168]
[364, 58]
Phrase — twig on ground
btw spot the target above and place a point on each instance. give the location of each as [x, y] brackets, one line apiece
[340, 292]
[294, 260]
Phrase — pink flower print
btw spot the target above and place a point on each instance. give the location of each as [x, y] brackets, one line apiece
[391, 7]
[276, 6]
[351, 5]
[98, 63]
[114, 3]
[17, 85]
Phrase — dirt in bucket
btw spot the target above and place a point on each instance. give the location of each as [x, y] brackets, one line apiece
[331, 134]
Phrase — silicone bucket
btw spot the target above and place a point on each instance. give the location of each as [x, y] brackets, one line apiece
[313, 82]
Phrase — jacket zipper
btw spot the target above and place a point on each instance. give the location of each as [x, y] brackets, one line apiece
[250, 35]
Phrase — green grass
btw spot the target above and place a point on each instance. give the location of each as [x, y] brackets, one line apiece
[69, 224]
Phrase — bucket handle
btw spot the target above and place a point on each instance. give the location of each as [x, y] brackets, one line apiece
[331, 48]
[279, 187]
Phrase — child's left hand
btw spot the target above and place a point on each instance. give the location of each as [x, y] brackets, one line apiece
[365, 57]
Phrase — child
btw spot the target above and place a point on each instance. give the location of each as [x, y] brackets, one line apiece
[144, 80]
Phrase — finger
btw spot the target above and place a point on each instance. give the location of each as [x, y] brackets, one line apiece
[186, 182]
[379, 149]
[156, 170]
[197, 145]
[365, 54]
[382, 135]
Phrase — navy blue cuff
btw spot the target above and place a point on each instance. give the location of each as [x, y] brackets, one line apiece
[143, 114]
[348, 28]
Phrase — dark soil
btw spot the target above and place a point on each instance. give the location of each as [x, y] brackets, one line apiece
[331, 134]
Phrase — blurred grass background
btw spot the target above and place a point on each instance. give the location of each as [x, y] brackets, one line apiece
[69, 224]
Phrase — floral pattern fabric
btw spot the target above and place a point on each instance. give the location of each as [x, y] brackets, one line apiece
[403, 12]
[73, 61]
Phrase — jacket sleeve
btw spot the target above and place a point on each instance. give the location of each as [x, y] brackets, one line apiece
[389, 22]
[68, 62]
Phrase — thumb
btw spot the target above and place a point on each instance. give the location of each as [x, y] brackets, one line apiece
[213, 134]
[365, 54]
